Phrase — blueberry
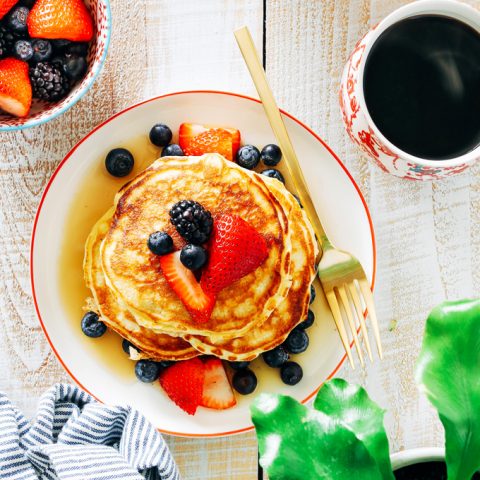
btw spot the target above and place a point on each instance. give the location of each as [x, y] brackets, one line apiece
[147, 371]
[273, 173]
[275, 358]
[60, 45]
[165, 364]
[77, 48]
[160, 135]
[193, 256]
[271, 155]
[297, 341]
[23, 50]
[160, 243]
[92, 326]
[172, 150]
[248, 156]
[239, 365]
[17, 19]
[126, 345]
[42, 50]
[308, 322]
[291, 373]
[75, 67]
[244, 381]
[119, 162]
[313, 293]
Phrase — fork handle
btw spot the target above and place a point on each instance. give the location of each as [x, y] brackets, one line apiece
[250, 55]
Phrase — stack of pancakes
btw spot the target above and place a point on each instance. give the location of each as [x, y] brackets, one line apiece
[253, 315]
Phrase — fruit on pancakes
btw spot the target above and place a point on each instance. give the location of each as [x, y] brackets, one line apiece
[217, 392]
[15, 88]
[197, 139]
[235, 250]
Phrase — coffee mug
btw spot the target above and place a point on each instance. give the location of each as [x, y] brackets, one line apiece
[358, 120]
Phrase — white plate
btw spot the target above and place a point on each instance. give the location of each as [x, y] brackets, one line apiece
[337, 198]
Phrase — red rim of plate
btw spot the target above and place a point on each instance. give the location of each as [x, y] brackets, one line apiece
[47, 188]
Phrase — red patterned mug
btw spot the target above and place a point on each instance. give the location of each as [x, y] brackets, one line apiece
[358, 122]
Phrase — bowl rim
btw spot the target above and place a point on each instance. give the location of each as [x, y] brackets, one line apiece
[413, 456]
[75, 98]
[108, 120]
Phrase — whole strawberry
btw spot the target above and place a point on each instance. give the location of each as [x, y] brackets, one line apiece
[15, 88]
[5, 6]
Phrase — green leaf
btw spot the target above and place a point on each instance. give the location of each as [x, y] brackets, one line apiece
[448, 372]
[351, 406]
[298, 443]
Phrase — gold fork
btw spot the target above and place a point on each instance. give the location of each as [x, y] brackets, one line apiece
[341, 275]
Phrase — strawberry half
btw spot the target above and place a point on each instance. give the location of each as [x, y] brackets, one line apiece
[185, 285]
[66, 19]
[183, 383]
[6, 6]
[195, 139]
[217, 392]
[235, 250]
[15, 87]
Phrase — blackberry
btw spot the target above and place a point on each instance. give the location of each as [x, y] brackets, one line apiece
[7, 40]
[192, 221]
[48, 82]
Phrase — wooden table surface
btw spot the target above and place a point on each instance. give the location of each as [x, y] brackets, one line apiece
[428, 234]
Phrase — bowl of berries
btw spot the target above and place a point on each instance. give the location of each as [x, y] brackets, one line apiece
[51, 51]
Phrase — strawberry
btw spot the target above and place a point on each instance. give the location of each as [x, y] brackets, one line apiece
[197, 139]
[183, 383]
[15, 87]
[6, 6]
[185, 285]
[217, 392]
[235, 250]
[65, 19]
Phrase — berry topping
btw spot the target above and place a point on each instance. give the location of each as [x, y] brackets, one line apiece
[199, 139]
[75, 67]
[217, 392]
[77, 48]
[244, 381]
[6, 6]
[248, 157]
[17, 20]
[291, 373]
[172, 150]
[160, 135]
[7, 40]
[297, 341]
[192, 221]
[185, 285]
[119, 162]
[59, 45]
[273, 173]
[271, 155]
[147, 371]
[236, 249]
[275, 358]
[183, 383]
[313, 293]
[308, 322]
[126, 346]
[92, 326]
[42, 50]
[15, 88]
[160, 243]
[48, 82]
[238, 365]
[193, 256]
[23, 50]
[65, 19]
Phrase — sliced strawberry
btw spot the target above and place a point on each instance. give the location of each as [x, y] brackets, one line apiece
[185, 285]
[15, 87]
[198, 139]
[183, 383]
[235, 250]
[6, 6]
[217, 392]
[66, 19]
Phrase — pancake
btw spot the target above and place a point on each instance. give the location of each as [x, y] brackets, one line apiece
[113, 312]
[293, 309]
[142, 207]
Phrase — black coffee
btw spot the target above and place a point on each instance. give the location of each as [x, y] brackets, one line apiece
[422, 86]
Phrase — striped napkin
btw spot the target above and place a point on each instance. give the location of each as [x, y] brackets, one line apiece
[76, 438]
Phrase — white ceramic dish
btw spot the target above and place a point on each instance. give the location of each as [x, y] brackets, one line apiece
[339, 204]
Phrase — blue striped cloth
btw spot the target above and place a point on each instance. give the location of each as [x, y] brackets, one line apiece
[76, 438]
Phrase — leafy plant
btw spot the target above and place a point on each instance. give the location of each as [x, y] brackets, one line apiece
[343, 435]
